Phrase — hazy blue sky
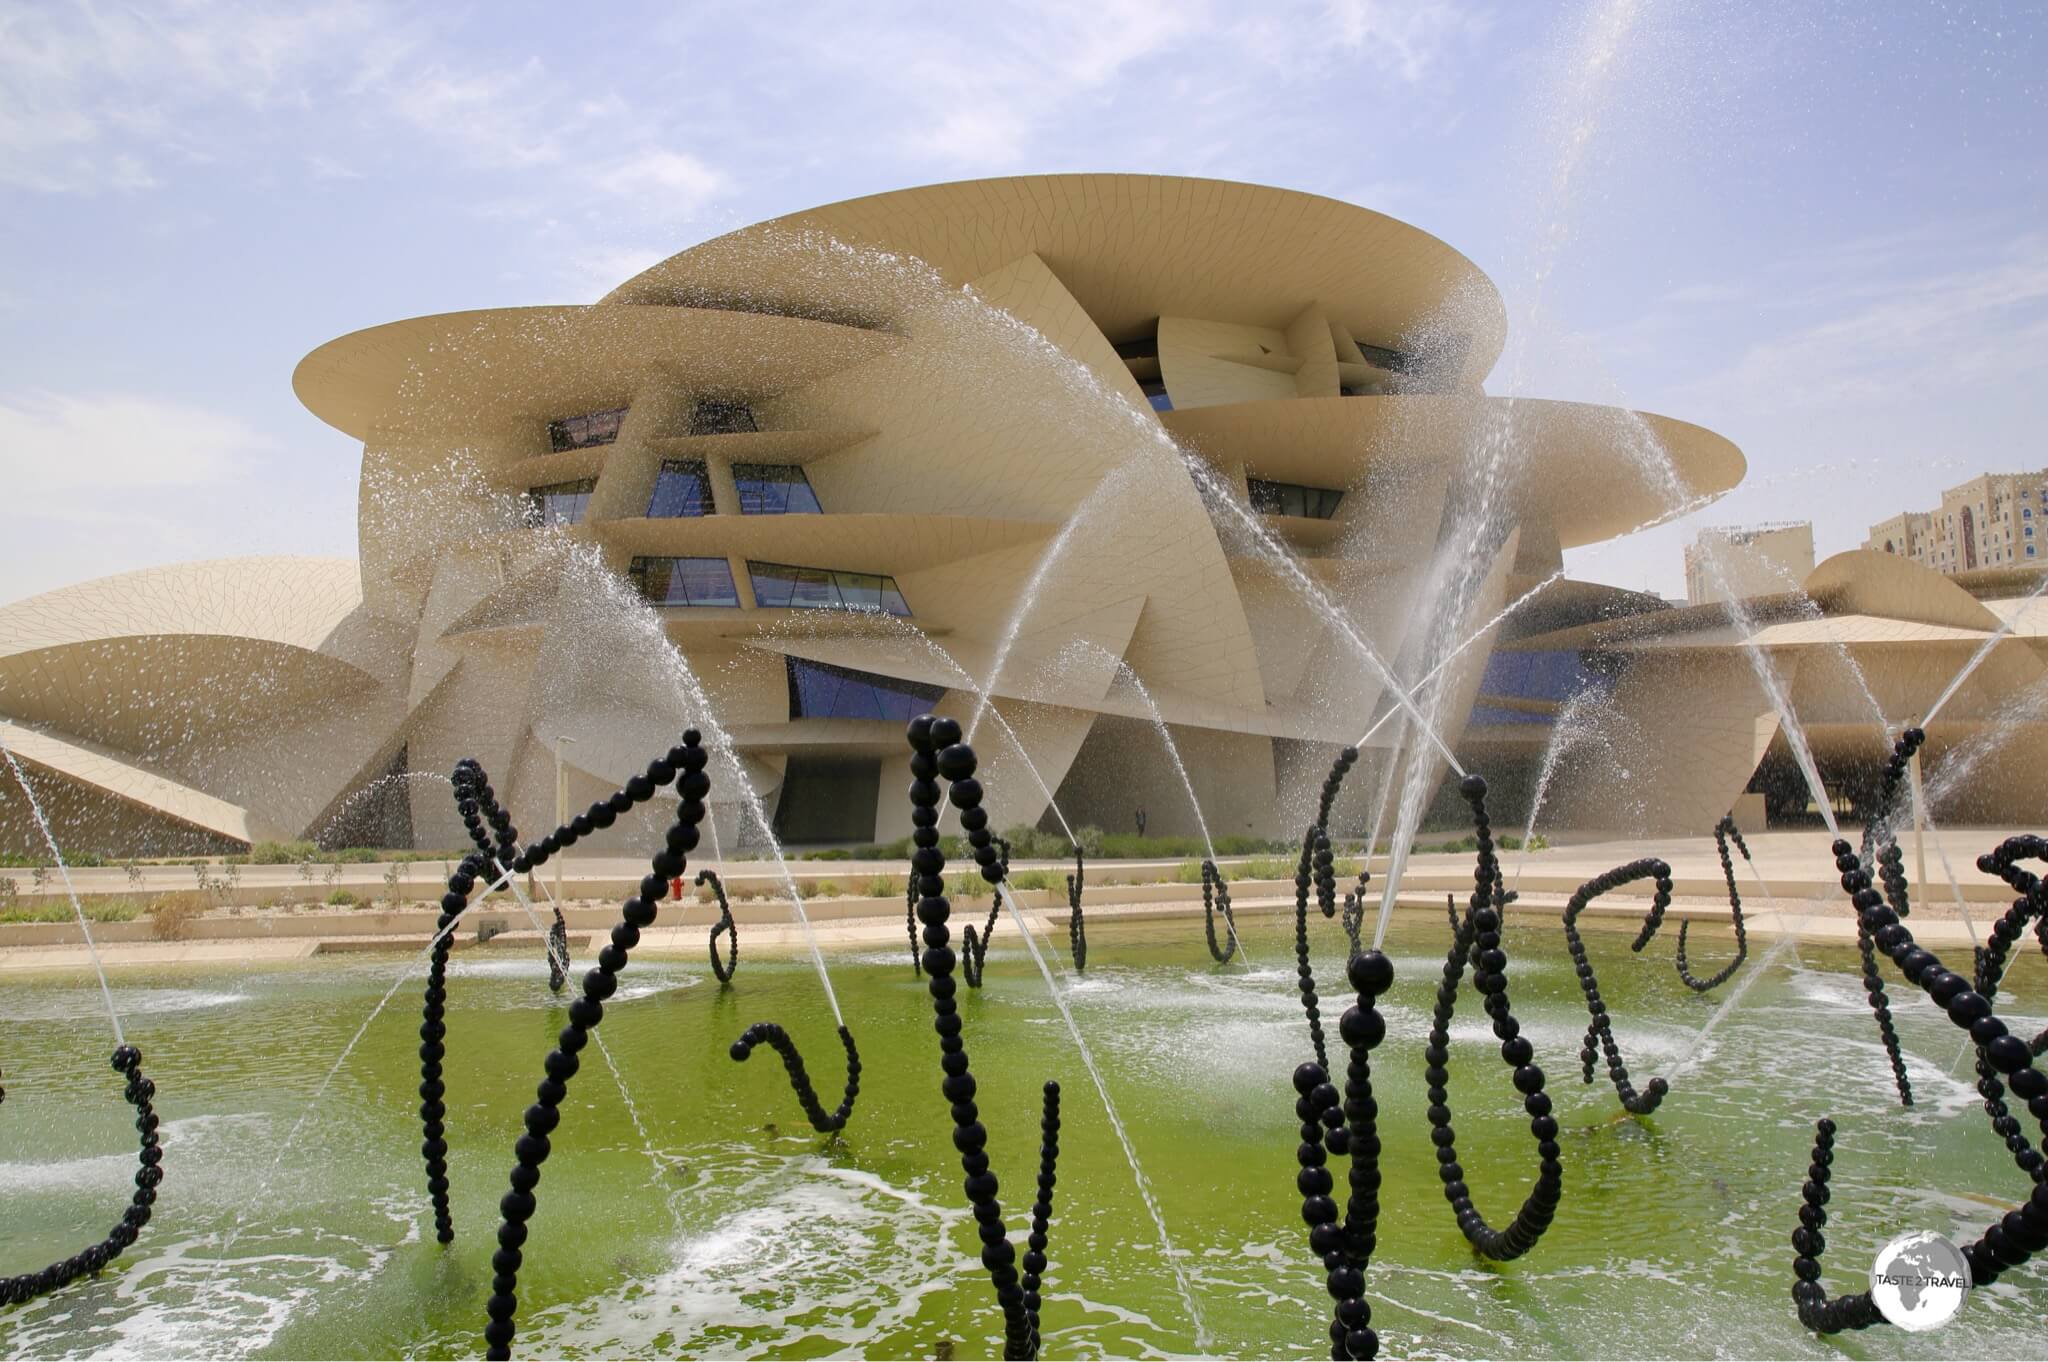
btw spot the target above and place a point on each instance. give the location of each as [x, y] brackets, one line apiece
[1818, 228]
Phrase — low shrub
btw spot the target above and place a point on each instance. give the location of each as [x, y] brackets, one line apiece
[276, 853]
[96, 910]
[884, 886]
[1039, 879]
[171, 915]
[825, 889]
[341, 898]
[828, 854]
[78, 860]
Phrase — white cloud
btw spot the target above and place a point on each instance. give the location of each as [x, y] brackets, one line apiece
[56, 446]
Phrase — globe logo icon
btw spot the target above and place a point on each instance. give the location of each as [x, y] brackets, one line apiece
[1919, 1281]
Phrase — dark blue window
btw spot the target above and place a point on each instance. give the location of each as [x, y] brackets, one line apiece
[781, 586]
[681, 488]
[774, 489]
[818, 690]
[1155, 393]
[684, 581]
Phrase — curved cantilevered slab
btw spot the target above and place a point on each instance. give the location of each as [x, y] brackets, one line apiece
[1560, 449]
[457, 370]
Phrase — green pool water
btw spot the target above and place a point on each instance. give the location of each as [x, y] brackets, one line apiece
[708, 1220]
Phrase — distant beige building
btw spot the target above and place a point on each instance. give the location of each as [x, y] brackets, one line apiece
[833, 455]
[1730, 562]
[1993, 520]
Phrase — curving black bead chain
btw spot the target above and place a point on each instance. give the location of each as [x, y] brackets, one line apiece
[558, 952]
[1816, 1311]
[1216, 895]
[2014, 1238]
[910, 924]
[936, 750]
[973, 949]
[1316, 867]
[823, 1121]
[434, 1027]
[1041, 1209]
[478, 805]
[140, 1093]
[1077, 927]
[725, 926]
[1354, 910]
[1725, 831]
[1477, 941]
[1873, 983]
[1345, 1126]
[1990, 972]
[1600, 1031]
[685, 763]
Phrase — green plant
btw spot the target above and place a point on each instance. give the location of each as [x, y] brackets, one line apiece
[828, 854]
[884, 886]
[278, 853]
[134, 874]
[9, 890]
[825, 889]
[1038, 879]
[341, 898]
[96, 910]
[391, 883]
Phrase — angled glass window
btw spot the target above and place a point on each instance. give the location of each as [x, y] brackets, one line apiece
[721, 416]
[774, 489]
[818, 690]
[782, 586]
[1155, 393]
[1291, 498]
[559, 503]
[681, 488]
[695, 582]
[581, 432]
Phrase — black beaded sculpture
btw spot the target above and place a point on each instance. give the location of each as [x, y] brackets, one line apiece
[558, 953]
[1317, 867]
[1077, 929]
[823, 1121]
[936, 750]
[1477, 941]
[1725, 832]
[910, 924]
[684, 764]
[1895, 884]
[1345, 1126]
[1600, 1031]
[2032, 904]
[2014, 1238]
[1354, 911]
[1215, 897]
[973, 949]
[478, 805]
[140, 1093]
[725, 927]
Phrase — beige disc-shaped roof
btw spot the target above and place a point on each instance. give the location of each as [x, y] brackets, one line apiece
[484, 369]
[1555, 451]
[1130, 248]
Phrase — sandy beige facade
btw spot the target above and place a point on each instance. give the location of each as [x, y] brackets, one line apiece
[1995, 520]
[838, 454]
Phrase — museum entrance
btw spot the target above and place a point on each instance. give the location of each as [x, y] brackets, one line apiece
[828, 799]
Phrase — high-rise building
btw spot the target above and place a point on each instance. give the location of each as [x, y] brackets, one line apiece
[1992, 520]
[1731, 562]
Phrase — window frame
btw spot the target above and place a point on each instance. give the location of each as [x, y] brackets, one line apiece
[680, 467]
[537, 499]
[816, 588]
[610, 420]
